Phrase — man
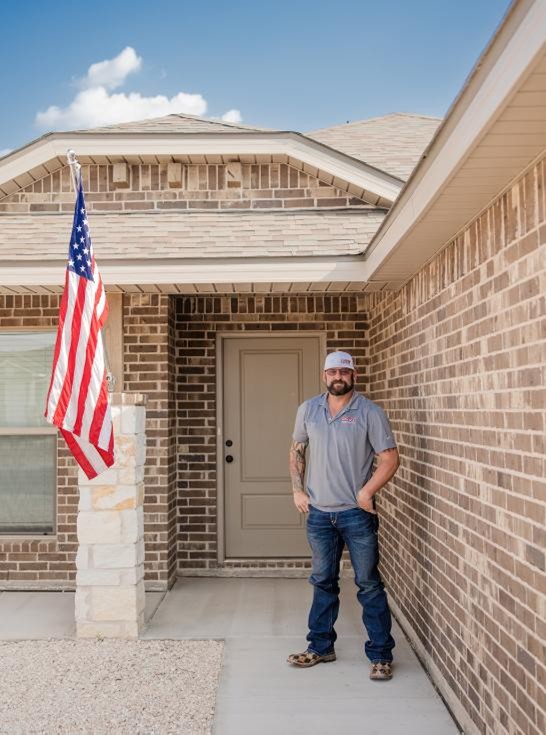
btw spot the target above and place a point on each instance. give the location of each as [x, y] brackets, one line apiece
[344, 431]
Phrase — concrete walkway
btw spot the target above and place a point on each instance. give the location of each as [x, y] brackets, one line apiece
[262, 620]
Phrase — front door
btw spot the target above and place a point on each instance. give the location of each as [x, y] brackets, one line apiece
[265, 380]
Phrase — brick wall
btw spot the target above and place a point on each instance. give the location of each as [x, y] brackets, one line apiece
[42, 561]
[458, 361]
[266, 186]
[343, 318]
[148, 322]
[149, 368]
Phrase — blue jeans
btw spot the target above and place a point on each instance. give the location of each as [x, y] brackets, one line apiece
[327, 534]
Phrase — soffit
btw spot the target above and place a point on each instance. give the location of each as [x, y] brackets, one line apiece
[229, 288]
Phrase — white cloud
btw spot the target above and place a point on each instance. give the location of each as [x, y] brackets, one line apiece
[95, 104]
[232, 116]
[5, 151]
[112, 73]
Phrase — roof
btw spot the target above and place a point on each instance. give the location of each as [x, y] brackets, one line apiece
[393, 143]
[176, 123]
[229, 234]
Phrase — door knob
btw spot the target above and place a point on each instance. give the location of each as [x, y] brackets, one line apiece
[229, 458]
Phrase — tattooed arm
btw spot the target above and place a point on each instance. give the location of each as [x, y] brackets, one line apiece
[388, 463]
[297, 473]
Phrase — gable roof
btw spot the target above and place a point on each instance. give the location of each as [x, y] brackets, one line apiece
[393, 143]
[176, 123]
[177, 142]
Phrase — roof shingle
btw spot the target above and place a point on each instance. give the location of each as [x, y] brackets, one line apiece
[393, 143]
[150, 235]
[176, 123]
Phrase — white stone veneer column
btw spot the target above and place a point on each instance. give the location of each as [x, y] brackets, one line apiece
[110, 559]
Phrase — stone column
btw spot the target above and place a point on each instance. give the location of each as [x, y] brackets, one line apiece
[110, 559]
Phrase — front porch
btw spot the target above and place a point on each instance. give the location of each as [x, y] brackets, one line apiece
[261, 621]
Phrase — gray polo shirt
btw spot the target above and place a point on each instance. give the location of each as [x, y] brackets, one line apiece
[341, 449]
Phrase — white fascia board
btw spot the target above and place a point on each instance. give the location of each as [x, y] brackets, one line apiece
[131, 144]
[343, 166]
[262, 270]
[513, 63]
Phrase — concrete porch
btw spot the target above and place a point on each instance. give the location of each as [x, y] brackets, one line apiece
[261, 621]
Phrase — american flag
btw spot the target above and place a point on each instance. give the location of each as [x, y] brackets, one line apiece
[77, 400]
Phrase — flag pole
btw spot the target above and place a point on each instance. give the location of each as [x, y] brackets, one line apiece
[75, 172]
[75, 169]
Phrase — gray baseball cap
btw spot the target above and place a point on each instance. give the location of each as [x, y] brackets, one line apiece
[339, 359]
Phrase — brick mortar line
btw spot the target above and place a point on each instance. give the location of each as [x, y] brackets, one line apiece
[398, 355]
[486, 504]
[489, 689]
[482, 574]
[512, 473]
[535, 634]
[491, 353]
[380, 320]
[494, 258]
[469, 529]
[442, 396]
[503, 371]
[444, 621]
[460, 442]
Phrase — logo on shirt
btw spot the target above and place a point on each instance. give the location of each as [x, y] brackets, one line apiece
[348, 419]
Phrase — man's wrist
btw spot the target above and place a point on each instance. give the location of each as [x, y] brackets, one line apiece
[298, 490]
[364, 494]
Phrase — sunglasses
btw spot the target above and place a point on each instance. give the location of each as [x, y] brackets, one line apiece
[344, 372]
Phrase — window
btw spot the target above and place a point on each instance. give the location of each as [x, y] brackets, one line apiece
[28, 444]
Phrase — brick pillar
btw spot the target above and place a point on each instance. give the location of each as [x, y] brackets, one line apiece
[110, 559]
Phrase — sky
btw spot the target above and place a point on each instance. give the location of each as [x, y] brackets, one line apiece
[286, 64]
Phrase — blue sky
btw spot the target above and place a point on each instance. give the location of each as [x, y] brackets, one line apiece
[299, 65]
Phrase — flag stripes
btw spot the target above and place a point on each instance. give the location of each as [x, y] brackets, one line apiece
[77, 400]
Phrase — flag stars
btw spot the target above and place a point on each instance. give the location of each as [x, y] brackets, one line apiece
[79, 228]
[82, 210]
[85, 251]
[80, 257]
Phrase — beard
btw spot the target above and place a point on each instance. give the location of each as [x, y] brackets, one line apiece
[340, 387]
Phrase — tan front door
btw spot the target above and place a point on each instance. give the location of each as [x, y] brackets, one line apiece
[265, 380]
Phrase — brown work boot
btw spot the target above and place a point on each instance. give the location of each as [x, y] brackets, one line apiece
[310, 658]
[380, 671]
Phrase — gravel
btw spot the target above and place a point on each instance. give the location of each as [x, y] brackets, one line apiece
[108, 686]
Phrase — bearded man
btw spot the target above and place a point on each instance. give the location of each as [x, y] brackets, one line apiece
[344, 431]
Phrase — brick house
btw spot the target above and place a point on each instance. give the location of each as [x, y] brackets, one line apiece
[235, 258]
[216, 259]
